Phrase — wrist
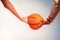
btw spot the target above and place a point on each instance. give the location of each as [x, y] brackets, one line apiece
[49, 19]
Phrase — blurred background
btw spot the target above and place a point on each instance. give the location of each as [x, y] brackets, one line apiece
[11, 28]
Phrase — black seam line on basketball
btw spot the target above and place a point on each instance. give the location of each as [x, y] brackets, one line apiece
[34, 17]
[34, 24]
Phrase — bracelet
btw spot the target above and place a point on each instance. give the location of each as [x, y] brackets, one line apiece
[50, 19]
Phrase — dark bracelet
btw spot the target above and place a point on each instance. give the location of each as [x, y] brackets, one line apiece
[50, 19]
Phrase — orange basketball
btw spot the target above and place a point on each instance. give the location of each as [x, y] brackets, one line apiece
[35, 21]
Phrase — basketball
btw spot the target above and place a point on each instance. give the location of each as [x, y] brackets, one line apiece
[35, 21]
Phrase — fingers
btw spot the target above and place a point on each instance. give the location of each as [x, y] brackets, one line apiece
[46, 22]
[24, 19]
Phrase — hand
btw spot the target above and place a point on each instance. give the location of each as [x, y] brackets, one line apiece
[46, 22]
[24, 19]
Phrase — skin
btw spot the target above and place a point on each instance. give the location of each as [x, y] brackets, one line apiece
[7, 4]
[54, 12]
[56, 1]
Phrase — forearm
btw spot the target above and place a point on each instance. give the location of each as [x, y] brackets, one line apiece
[10, 7]
[54, 12]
